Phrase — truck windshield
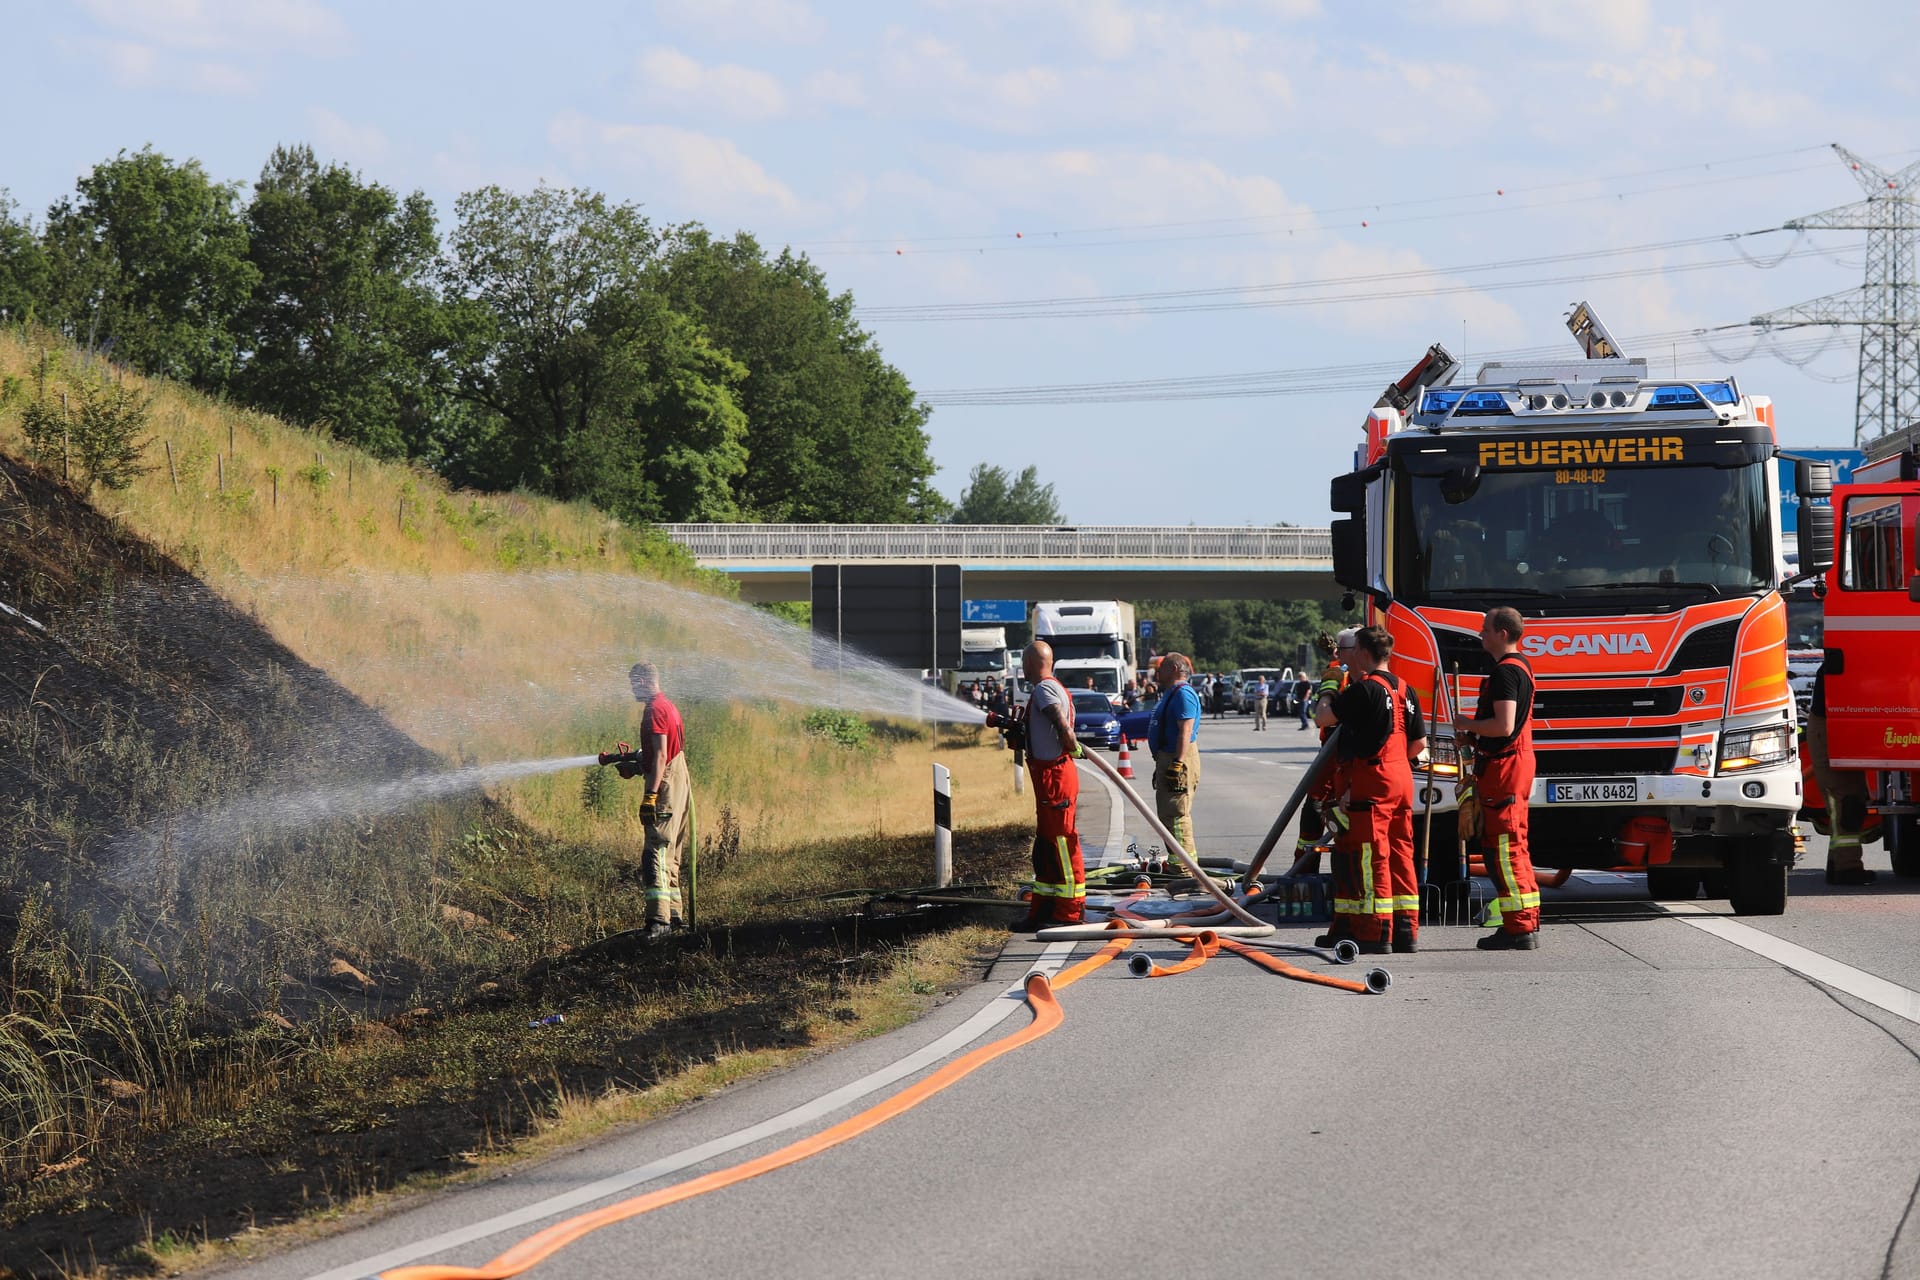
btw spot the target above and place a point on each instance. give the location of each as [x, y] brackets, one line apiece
[1068, 649]
[1099, 679]
[1681, 530]
[983, 659]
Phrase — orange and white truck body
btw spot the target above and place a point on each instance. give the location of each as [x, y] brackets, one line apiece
[1633, 523]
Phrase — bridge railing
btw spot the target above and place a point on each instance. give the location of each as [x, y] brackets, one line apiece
[824, 543]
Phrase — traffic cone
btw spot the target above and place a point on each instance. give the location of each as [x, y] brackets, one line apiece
[1126, 760]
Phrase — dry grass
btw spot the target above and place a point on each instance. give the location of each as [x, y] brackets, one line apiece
[486, 628]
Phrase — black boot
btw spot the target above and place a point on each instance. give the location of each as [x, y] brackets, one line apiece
[1851, 875]
[1501, 940]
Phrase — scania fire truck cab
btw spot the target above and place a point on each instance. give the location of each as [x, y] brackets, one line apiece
[1632, 521]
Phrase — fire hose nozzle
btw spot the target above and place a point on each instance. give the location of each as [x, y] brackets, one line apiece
[1346, 951]
[1378, 980]
[1139, 964]
[621, 754]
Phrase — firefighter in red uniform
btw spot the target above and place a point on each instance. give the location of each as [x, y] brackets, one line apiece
[1503, 779]
[1059, 873]
[1376, 891]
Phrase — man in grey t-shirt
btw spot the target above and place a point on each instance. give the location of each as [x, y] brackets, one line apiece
[1059, 874]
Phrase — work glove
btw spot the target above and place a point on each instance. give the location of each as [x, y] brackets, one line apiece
[650, 808]
[1469, 818]
[1176, 778]
[1079, 752]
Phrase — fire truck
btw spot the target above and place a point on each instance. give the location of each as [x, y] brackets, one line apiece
[1872, 616]
[1634, 523]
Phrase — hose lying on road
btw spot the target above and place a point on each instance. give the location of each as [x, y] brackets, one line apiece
[538, 1248]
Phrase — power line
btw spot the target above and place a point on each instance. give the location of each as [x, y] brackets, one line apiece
[888, 243]
[1025, 242]
[1691, 344]
[1092, 311]
[1132, 302]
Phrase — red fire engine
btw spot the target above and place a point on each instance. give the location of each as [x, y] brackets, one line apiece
[1872, 613]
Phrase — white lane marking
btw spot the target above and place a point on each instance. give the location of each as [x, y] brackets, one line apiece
[1901, 1002]
[972, 1029]
[1115, 849]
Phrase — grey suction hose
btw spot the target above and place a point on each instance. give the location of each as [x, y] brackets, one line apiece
[1250, 926]
[1294, 801]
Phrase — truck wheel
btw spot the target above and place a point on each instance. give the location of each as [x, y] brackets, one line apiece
[1904, 846]
[1756, 886]
[1672, 884]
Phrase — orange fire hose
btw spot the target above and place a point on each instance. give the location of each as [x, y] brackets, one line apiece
[1205, 947]
[538, 1248]
[1373, 985]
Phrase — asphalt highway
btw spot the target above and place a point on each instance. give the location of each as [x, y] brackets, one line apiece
[1639, 1097]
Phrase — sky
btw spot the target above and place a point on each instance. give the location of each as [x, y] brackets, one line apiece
[1328, 186]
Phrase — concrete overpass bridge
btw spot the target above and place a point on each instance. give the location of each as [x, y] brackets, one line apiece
[1031, 562]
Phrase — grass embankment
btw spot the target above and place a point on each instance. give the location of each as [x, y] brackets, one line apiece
[306, 1016]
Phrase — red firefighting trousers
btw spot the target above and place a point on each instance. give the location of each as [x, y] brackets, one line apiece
[1059, 874]
[1380, 899]
[1504, 785]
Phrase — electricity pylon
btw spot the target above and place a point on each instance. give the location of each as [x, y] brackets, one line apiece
[1885, 307]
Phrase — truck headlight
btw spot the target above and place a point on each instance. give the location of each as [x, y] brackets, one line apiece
[1445, 756]
[1752, 748]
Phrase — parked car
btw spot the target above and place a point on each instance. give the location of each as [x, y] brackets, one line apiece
[1095, 721]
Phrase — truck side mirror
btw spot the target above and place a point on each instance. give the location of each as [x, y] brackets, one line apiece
[1815, 536]
[1350, 552]
[1813, 479]
[1348, 494]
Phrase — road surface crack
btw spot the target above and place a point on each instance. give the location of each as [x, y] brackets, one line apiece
[1906, 1215]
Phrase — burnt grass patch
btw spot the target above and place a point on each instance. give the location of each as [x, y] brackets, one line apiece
[198, 1041]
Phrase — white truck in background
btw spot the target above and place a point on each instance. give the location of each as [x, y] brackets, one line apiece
[983, 655]
[1092, 640]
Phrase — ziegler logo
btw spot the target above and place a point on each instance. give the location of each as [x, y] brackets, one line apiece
[1563, 646]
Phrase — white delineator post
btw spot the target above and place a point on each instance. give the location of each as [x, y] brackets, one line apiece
[942, 826]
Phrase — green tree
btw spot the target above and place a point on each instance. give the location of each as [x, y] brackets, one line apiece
[991, 498]
[150, 257]
[24, 279]
[343, 325]
[834, 431]
[580, 380]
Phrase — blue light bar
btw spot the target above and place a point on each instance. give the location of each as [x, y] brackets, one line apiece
[1439, 401]
[1686, 398]
[1484, 402]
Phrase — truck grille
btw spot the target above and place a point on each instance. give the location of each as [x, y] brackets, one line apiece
[1603, 761]
[1599, 704]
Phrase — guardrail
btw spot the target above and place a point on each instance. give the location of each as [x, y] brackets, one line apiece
[826, 543]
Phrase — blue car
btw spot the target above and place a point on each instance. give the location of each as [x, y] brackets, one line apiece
[1096, 721]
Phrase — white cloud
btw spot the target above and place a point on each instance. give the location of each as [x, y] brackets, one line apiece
[670, 78]
[1181, 76]
[337, 136]
[132, 65]
[836, 89]
[1565, 25]
[252, 25]
[710, 176]
[733, 21]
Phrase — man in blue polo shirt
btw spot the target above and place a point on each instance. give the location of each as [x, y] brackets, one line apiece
[1173, 735]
